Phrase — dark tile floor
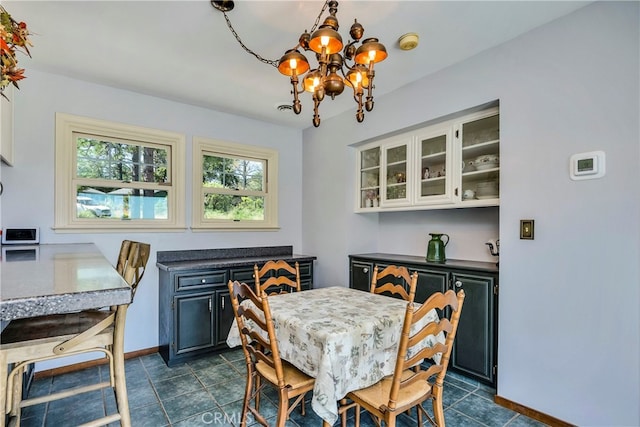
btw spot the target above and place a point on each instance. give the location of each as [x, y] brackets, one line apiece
[209, 391]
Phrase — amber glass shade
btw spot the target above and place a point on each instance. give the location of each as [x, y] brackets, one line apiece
[332, 37]
[352, 76]
[312, 80]
[370, 51]
[293, 60]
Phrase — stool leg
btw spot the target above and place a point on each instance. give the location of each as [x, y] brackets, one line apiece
[17, 395]
[4, 373]
[118, 362]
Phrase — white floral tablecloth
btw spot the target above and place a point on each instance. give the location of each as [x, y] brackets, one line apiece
[345, 338]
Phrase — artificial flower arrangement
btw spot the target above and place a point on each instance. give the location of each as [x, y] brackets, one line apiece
[14, 37]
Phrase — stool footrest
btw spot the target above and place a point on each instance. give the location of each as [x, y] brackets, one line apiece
[62, 394]
[103, 421]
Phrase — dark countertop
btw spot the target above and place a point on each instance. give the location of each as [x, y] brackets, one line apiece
[457, 264]
[225, 258]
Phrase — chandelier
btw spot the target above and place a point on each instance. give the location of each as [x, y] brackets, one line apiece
[355, 65]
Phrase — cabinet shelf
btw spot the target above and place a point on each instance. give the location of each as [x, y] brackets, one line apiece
[470, 152]
[479, 174]
[438, 178]
[434, 156]
[369, 169]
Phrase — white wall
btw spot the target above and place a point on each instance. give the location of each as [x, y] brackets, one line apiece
[29, 186]
[569, 302]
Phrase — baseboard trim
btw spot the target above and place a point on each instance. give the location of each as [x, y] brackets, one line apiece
[531, 413]
[91, 363]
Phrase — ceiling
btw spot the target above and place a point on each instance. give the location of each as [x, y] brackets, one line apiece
[183, 50]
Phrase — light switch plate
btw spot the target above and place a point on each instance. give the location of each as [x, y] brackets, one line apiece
[526, 229]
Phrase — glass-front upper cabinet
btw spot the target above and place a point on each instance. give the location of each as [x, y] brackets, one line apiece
[396, 166]
[451, 164]
[480, 150]
[369, 178]
[435, 165]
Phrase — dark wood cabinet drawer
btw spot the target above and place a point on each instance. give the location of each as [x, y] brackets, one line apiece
[185, 282]
[242, 275]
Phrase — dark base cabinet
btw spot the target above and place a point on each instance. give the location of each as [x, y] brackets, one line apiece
[195, 313]
[474, 351]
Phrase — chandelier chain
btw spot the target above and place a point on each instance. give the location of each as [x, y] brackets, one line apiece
[272, 62]
[260, 58]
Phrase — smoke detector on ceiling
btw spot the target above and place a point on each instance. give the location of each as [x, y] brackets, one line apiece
[408, 41]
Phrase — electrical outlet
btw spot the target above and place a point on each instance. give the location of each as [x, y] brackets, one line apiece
[526, 229]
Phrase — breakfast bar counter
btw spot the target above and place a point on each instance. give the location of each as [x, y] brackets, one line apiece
[39, 280]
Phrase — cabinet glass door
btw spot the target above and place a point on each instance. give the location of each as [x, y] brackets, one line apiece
[481, 158]
[396, 170]
[434, 161]
[370, 178]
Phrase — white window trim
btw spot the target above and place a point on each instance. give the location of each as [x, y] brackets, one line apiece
[202, 145]
[65, 193]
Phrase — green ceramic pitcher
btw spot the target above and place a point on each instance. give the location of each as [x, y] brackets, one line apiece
[435, 247]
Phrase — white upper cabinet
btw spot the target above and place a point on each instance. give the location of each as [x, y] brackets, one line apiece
[435, 177]
[397, 168]
[454, 164]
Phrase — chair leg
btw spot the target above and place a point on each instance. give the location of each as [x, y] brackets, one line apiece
[438, 410]
[248, 389]
[258, 385]
[283, 408]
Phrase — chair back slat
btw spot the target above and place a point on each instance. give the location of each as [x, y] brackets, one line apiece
[257, 333]
[132, 262]
[278, 283]
[390, 281]
[410, 339]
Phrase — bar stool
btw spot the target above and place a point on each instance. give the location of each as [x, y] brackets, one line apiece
[30, 340]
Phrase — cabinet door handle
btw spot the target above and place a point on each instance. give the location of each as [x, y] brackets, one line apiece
[365, 270]
[223, 303]
[209, 305]
[458, 284]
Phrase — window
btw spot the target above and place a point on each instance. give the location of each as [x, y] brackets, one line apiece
[111, 176]
[234, 186]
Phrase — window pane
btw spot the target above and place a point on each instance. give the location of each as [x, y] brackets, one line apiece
[227, 206]
[120, 203]
[98, 159]
[232, 173]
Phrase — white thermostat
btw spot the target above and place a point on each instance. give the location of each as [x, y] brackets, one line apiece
[587, 165]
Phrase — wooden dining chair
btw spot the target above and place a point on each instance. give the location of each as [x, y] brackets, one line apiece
[275, 281]
[392, 281]
[408, 388]
[31, 340]
[262, 356]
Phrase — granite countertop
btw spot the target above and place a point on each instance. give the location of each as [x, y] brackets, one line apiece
[225, 258]
[457, 264]
[39, 280]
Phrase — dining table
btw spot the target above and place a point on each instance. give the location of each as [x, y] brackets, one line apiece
[345, 338]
